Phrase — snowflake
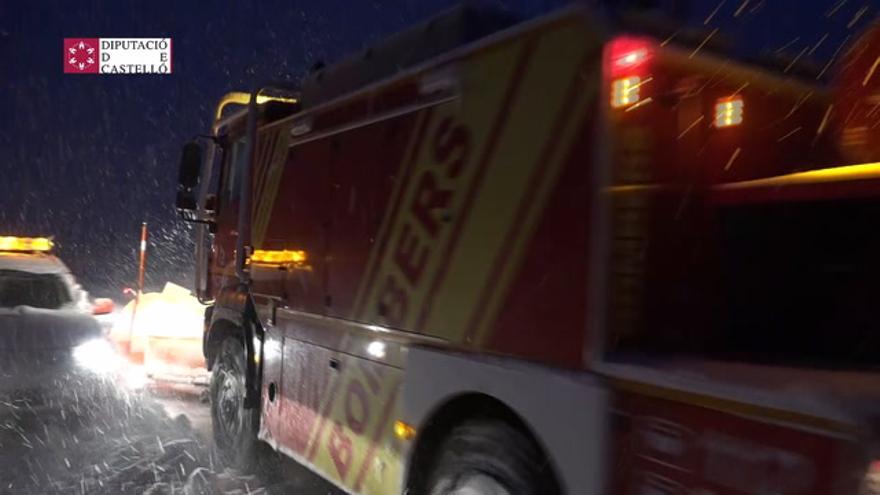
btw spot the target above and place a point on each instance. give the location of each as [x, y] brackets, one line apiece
[81, 55]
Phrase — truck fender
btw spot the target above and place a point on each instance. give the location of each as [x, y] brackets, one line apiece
[234, 315]
[564, 410]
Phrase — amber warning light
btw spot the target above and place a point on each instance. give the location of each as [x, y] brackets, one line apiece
[625, 91]
[729, 112]
[278, 257]
[27, 244]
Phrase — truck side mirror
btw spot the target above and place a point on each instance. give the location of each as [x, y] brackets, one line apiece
[188, 176]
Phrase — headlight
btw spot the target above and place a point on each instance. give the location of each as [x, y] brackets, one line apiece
[96, 355]
[871, 485]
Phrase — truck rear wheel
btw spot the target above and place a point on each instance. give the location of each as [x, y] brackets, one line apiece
[490, 458]
[235, 427]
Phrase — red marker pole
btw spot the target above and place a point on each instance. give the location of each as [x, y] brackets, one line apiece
[140, 285]
[143, 260]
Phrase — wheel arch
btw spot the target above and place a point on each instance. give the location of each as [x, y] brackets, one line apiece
[565, 412]
[454, 411]
[240, 321]
[218, 331]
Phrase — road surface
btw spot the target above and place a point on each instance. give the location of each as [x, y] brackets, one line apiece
[84, 434]
[189, 402]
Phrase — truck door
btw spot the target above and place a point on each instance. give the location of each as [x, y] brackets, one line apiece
[273, 255]
[299, 223]
[357, 449]
[341, 378]
[223, 250]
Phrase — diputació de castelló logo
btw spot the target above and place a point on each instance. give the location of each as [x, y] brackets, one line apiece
[81, 55]
[117, 56]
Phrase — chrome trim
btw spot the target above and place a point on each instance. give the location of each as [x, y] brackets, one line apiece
[244, 205]
[350, 337]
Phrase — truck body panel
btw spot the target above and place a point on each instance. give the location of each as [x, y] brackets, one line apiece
[498, 216]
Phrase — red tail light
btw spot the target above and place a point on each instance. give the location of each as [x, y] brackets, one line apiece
[626, 68]
[627, 56]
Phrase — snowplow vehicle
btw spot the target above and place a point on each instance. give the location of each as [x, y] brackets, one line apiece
[572, 255]
[162, 333]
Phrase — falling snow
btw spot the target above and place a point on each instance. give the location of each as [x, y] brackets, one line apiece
[87, 159]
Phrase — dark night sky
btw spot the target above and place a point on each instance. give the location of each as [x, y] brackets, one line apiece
[87, 158]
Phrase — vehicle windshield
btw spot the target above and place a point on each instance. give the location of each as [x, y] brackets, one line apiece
[38, 290]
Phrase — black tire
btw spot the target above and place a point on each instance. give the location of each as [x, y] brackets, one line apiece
[486, 455]
[235, 428]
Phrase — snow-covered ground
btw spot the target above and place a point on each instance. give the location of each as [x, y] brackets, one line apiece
[82, 434]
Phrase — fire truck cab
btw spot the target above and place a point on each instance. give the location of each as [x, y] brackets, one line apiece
[559, 256]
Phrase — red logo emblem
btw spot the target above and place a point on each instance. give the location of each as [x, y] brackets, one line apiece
[81, 55]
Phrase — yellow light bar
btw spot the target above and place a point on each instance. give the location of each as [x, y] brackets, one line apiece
[276, 257]
[729, 112]
[846, 173]
[625, 92]
[403, 431]
[10, 243]
[242, 98]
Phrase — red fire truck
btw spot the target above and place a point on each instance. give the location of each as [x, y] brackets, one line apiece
[572, 255]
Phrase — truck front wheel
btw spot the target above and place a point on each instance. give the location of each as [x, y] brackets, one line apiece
[235, 427]
[489, 457]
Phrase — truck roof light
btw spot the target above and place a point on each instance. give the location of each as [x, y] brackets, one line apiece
[729, 111]
[28, 244]
[243, 98]
[625, 91]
